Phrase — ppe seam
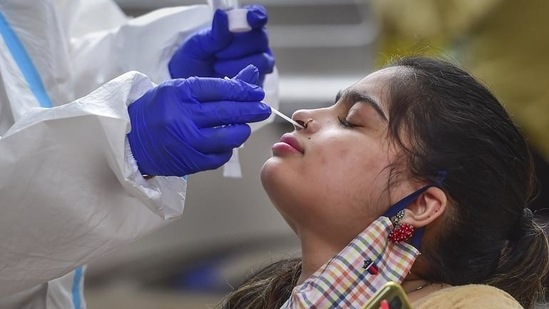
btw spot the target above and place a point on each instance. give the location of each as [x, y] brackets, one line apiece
[24, 62]
[76, 285]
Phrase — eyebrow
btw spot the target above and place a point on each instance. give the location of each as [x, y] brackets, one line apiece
[353, 96]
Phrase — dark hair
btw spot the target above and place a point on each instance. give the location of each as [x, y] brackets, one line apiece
[445, 120]
[458, 126]
[267, 289]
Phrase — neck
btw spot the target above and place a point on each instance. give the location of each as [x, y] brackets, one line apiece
[315, 253]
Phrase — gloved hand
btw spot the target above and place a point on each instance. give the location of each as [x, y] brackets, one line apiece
[184, 126]
[217, 52]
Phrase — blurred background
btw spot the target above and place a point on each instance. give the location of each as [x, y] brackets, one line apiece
[229, 227]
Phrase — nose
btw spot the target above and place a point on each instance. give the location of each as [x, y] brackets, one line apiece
[304, 118]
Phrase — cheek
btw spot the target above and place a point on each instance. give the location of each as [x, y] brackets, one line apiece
[346, 177]
[348, 165]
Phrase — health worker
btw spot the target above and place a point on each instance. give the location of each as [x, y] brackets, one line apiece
[101, 116]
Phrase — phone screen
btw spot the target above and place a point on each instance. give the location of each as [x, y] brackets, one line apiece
[394, 295]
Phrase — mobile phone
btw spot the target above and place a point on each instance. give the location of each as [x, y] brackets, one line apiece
[393, 293]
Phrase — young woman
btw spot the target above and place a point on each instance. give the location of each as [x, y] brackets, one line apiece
[416, 175]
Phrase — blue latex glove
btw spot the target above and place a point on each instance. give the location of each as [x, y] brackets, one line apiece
[184, 126]
[216, 52]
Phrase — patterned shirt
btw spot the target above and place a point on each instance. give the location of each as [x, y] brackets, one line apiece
[349, 279]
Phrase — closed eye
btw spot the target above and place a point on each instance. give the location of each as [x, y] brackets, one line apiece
[346, 124]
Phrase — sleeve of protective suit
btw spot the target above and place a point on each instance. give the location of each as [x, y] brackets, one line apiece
[70, 189]
[143, 44]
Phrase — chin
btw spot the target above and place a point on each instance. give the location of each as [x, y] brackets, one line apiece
[268, 172]
[276, 179]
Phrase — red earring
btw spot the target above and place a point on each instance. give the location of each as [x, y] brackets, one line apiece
[401, 231]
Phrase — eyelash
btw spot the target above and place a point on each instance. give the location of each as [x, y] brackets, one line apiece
[346, 124]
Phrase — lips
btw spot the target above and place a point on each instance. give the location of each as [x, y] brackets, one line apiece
[292, 141]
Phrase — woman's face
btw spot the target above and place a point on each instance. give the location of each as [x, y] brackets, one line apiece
[331, 177]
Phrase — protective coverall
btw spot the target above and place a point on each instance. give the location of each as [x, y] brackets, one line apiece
[69, 189]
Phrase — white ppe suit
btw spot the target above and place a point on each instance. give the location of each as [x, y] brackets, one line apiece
[69, 188]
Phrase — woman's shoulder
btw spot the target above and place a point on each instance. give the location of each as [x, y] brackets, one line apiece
[468, 296]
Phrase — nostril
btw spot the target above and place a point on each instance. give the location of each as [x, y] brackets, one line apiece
[303, 124]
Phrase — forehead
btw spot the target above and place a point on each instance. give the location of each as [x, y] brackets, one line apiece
[377, 80]
[376, 85]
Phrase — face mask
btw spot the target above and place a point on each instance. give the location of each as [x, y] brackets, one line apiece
[352, 277]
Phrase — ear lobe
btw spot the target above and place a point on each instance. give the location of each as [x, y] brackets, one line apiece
[426, 208]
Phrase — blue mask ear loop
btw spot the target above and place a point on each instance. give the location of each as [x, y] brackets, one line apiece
[403, 203]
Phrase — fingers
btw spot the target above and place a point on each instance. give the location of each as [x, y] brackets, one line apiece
[245, 44]
[214, 161]
[202, 162]
[214, 114]
[220, 34]
[217, 89]
[264, 62]
[257, 16]
[182, 66]
[212, 149]
[216, 40]
[223, 139]
[205, 43]
[249, 74]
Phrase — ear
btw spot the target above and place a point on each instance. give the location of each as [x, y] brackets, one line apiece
[426, 208]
